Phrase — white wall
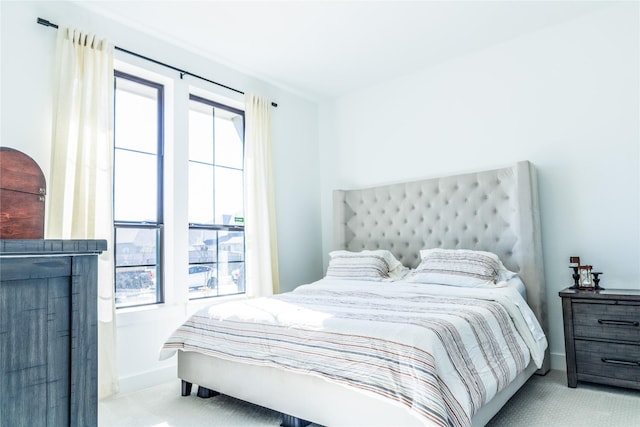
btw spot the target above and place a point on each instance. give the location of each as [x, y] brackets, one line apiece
[27, 61]
[565, 98]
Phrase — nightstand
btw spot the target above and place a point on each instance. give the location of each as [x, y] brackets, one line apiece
[602, 336]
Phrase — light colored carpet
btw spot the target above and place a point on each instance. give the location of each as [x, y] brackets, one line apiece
[542, 402]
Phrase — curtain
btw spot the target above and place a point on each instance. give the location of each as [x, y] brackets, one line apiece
[80, 182]
[260, 222]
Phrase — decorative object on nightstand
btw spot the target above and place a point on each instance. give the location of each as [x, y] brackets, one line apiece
[583, 275]
[602, 336]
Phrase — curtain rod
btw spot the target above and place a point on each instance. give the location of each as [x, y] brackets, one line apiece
[182, 72]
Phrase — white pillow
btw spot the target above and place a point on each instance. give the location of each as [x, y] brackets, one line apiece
[460, 267]
[376, 265]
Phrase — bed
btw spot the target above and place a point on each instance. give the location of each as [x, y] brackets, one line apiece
[494, 211]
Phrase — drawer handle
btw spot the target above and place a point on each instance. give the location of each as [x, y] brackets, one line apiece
[620, 362]
[619, 322]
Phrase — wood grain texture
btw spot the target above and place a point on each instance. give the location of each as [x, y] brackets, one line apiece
[48, 333]
[22, 196]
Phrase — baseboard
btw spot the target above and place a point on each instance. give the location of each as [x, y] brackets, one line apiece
[148, 379]
[558, 362]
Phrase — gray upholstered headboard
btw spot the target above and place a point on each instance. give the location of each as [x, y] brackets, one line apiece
[495, 210]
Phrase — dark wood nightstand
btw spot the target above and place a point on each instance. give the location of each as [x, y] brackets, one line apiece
[602, 336]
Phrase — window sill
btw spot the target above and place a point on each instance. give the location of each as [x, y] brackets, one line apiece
[156, 312]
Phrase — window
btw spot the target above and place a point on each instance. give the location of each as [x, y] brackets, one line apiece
[137, 187]
[216, 199]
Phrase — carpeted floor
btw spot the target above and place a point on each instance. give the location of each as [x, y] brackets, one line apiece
[542, 402]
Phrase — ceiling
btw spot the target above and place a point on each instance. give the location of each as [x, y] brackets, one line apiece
[325, 49]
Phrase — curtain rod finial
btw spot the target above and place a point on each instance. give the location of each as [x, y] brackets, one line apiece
[46, 23]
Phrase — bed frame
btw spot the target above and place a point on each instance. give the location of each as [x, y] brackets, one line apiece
[495, 210]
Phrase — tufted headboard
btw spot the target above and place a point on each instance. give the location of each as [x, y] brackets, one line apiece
[495, 210]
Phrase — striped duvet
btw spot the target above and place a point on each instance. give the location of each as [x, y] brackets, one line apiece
[442, 356]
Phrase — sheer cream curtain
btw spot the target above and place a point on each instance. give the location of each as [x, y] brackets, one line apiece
[80, 182]
[260, 220]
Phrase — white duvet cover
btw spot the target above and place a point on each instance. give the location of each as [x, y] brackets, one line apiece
[442, 351]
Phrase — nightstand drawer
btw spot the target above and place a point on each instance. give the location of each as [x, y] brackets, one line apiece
[614, 322]
[615, 361]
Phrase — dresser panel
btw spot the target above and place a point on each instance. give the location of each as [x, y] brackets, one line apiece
[607, 321]
[619, 361]
[48, 333]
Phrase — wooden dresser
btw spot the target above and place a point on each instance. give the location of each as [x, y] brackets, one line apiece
[48, 332]
[602, 336]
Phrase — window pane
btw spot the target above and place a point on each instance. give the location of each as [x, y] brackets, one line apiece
[136, 275]
[229, 147]
[203, 281]
[201, 134]
[200, 193]
[231, 262]
[237, 273]
[136, 246]
[228, 196]
[136, 116]
[203, 246]
[231, 245]
[135, 186]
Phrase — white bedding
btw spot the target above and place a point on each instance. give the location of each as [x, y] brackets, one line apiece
[426, 347]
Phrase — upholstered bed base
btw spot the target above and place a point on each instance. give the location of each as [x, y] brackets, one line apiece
[302, 397]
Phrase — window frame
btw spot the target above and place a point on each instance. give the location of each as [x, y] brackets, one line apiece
[158, 225]
[217, 226]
